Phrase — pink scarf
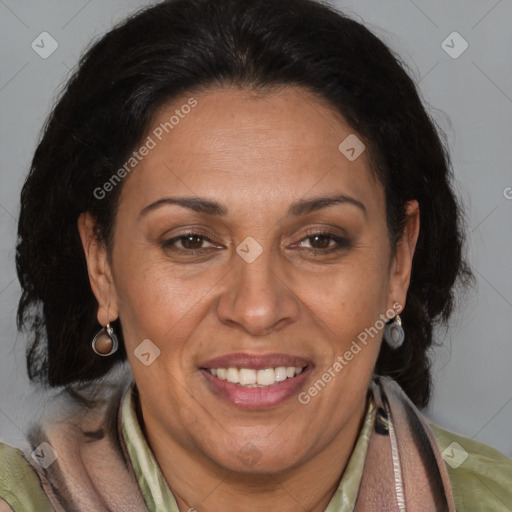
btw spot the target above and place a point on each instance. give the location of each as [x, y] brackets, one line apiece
[403, 471]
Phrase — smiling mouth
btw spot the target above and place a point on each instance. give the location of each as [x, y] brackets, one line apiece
[252, 378]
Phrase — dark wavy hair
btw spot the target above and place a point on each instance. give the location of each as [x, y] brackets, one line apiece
[179, 46]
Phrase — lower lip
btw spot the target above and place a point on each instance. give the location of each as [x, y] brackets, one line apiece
[257, 398]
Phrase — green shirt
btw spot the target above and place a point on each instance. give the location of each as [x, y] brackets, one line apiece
[481, 477]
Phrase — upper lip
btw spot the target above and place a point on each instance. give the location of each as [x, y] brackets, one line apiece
[255, 361]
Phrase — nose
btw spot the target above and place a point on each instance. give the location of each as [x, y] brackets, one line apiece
[258, 298]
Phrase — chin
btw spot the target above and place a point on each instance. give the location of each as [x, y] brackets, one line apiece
[251, 458]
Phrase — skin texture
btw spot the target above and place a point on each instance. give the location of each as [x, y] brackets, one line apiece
[255, 154]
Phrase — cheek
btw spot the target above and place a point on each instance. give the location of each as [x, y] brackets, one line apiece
[353, 295]
[158, 300]
[349, 311]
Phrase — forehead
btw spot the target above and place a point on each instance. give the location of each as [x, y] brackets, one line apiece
[236, 144]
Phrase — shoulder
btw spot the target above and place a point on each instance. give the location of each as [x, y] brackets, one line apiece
[481, 477]
[20, 488]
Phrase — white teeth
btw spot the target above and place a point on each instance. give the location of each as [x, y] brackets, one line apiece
[281, 373]
[250, 378]
[247, 376]
[232, 375]
[266, 377]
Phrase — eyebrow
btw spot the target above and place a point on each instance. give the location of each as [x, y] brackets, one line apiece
[305, 206]
[198, 204]
[298, 208]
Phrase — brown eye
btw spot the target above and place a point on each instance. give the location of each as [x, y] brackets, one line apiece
[320, 241]
[189, 244]
[191, 241]
[323, 243]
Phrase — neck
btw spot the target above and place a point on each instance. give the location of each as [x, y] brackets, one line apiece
[307, 486]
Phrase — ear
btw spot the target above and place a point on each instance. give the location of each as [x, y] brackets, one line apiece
[401, 264]
[98, 267]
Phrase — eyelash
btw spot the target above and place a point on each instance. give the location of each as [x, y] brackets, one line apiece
[169, 244]
[342, 243]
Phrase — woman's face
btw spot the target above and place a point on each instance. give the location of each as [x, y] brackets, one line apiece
[245, 239]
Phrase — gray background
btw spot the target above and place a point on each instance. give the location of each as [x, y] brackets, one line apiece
[471, 99]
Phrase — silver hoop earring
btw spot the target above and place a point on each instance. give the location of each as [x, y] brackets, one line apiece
[105, 342]
[394, 332]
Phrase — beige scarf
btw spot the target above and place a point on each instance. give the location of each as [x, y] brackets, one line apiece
[403, 471]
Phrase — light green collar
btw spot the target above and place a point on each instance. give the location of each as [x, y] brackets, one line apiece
[159, 497]
[153, 486]
[344, 499]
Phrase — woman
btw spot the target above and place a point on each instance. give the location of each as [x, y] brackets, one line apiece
[247, 202]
